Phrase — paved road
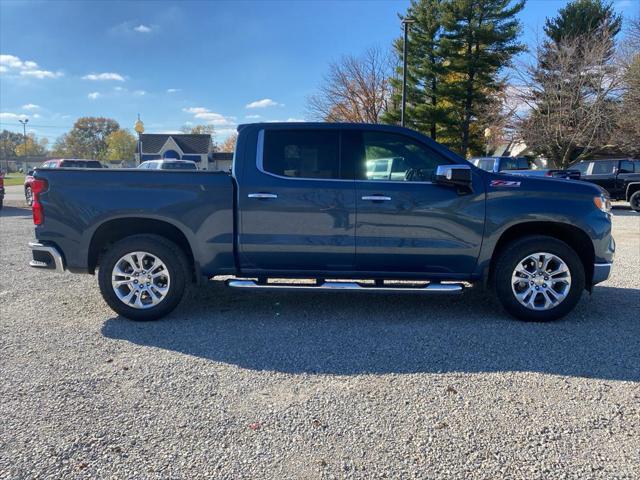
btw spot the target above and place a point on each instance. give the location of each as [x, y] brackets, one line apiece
[14, 195]
[311, 385]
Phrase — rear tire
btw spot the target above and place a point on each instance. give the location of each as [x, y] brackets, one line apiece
[148, 303]
[634, 201]
[551, 296]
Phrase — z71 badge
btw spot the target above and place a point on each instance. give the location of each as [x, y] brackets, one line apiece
[505, 183]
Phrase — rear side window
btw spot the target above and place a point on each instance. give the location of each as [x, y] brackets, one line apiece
[604, 167]
[302, 153]
[582, 167]
[626, 166]
[486, 164]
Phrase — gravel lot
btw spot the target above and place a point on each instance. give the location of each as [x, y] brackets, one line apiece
[314, 385]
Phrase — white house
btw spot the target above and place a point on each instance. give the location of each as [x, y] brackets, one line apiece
[159, 146]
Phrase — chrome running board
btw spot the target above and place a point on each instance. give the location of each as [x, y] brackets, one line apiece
[433, 287]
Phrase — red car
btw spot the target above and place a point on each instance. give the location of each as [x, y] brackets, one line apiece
[57, 163]
[1, 189]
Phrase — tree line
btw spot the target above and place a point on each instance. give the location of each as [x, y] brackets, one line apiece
[471, 86]
[96, 138]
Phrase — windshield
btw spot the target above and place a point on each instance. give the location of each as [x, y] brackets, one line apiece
[485, 164]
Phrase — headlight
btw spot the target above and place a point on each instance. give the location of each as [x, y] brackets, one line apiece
[602, 203]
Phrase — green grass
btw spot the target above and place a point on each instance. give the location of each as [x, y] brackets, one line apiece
[13, 180]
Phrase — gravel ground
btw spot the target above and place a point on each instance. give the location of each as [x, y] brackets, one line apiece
[315, 385]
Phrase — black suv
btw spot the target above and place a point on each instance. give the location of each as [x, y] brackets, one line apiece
[618, 176]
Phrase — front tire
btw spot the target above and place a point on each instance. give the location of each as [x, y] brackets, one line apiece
[143, 277]
[634, 201]
[538, 278]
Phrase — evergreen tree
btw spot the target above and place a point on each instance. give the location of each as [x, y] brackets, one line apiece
[583, 17]
[424, 70]
[480, 38]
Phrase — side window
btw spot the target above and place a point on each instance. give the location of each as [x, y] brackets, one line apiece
[582, 167]
[390, 156]
[302, 153]
[509, 164]
[626, 166]
[604, 167]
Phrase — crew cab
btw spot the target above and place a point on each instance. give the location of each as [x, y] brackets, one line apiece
[304, 201]
[521, 166]
[620, 177]
[56, 163]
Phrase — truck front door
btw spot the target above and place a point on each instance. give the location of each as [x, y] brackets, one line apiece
[407, 223]
[296, 211]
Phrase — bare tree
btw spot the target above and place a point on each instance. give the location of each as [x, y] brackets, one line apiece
[571, 93]
[627, 135]
[356, 89]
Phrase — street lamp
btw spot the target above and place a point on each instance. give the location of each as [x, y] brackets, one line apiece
[24, 138]
[406, 23]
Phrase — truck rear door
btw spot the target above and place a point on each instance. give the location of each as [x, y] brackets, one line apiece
[296, 208]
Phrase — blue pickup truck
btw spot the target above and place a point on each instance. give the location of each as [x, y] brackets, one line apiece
[308, 201]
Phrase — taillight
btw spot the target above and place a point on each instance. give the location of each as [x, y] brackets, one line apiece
[38, 186]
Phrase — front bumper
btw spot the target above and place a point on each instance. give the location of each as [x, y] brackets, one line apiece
[47, 257]
[601, 272]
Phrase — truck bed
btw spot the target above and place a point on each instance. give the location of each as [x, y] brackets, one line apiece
[82, 203]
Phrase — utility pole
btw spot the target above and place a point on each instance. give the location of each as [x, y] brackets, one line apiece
[24, 138]
[406, 23]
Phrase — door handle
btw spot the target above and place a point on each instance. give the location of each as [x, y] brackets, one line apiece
[376, 198]
[262, 195]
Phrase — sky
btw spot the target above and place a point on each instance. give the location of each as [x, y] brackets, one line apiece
[191, 62]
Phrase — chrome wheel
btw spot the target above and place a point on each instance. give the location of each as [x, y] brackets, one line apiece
[541, 281]
[140, 280]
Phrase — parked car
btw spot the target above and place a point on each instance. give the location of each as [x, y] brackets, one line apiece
[620, 177]
[1, 189]
[57, 163]
[521, 166]
[168, 165]
[299, 204]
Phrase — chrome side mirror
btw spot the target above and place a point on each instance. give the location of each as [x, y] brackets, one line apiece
[454, 175]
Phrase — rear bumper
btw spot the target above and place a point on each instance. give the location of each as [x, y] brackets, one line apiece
[601, 272]
[46, 257]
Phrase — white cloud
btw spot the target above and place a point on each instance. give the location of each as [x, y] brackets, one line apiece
[212, 118]
[104, 76]
[30, 106]
[142, 28]
[119, 89]
[93, 95]
[36, 115]
[173, 90]
[252, 117]
[291, 119]
[264, 103]
[139, 93]
[12, 64]
[12, 116]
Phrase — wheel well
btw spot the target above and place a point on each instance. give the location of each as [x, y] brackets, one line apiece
[571, 235]
[115, 230]
[631, 189]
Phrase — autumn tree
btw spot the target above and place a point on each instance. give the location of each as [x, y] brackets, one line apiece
[87, 138]
[32, 146]
[356, 89]
[229, 145]
[121, 145]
